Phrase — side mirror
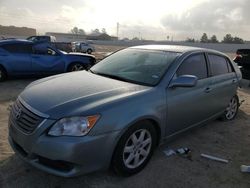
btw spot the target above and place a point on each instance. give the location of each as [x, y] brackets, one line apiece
[184, 81]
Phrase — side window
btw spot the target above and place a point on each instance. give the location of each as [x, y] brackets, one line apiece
[18, 48]
[43, 49]
[194, 65]
[219, 65]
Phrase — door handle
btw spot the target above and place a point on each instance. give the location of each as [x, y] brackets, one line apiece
[234, 81]
[208, 90]
[35, 57]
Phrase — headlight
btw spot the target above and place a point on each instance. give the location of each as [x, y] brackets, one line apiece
[73, 126]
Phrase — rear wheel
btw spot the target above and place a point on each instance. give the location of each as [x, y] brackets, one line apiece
[77, 67]
[3, 74]
[134, 149]
[89, 51]
[232, 109]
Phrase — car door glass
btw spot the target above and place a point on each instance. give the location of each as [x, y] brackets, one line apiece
[219, 64]
[51, 52]
[18, 48]
[194, 65]
[41, 49]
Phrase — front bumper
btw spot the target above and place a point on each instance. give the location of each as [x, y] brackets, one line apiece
[63, 156]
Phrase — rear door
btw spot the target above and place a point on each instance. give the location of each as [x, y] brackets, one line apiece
[223, 81]
[18, 57]
[188, 106]
[46, 60]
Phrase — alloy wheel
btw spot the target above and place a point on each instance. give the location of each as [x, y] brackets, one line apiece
[231, 110]
[137, 148]
[77, 67]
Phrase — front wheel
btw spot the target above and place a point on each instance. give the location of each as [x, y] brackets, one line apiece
[232, 109]
[89, 51]
[76, 67]
[134, 149]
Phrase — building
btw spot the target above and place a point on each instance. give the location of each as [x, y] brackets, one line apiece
[16, 32]
[101, 36]
[70, 37]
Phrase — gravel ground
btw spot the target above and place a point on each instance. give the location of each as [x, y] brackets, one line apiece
[228, 140]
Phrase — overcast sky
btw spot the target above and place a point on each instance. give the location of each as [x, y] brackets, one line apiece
[152, 19]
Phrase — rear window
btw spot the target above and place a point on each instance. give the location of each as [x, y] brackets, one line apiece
[219, 65]
[18, 48]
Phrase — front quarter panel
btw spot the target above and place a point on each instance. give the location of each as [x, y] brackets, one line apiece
[123, 114]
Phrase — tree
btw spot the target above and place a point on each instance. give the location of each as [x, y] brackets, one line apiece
[213, 39]
[204, 38]
[104, 30]
[135, 39]
[232, 40]
[75, 30]
[238, 40]
[190, 40]
[228, 39]
[96, 31]
[81, 31]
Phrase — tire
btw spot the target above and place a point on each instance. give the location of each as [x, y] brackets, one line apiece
[3, 75]
[134, 149]
[77, 67]
[89, 51]
[231, 110]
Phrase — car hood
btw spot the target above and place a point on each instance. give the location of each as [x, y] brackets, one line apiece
[76, 93]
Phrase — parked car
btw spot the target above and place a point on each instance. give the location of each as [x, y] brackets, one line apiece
[243, 60]
[42, 38]
[23, 57]
[122, 109]
[64, 46]
[83, 47]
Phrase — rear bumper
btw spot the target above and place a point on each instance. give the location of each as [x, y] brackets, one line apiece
[66, 156]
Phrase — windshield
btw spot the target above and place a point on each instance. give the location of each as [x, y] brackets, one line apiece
[139, 66]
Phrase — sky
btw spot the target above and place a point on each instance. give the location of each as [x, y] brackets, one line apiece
[147, 19]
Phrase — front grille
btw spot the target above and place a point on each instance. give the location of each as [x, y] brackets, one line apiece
[24, 119]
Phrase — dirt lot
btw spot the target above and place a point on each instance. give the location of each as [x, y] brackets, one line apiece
[229, 140]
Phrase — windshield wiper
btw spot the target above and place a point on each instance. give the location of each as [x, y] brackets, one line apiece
[112, 76]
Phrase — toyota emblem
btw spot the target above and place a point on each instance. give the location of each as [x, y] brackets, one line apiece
[18, 114]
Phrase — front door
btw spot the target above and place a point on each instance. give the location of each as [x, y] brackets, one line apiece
[188, 106]
[46, 60]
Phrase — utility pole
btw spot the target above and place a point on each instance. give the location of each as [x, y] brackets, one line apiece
[117, 30]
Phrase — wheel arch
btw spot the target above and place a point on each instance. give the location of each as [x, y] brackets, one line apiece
[150, 119]
[4, 69]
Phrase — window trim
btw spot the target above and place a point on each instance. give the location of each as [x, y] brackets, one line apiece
[193, 54]
[228, 61]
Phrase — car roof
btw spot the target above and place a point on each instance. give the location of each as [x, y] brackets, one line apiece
[176, 48]
[15, 41]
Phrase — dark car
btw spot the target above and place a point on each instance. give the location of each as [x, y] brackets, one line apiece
[23, 57]
[116, 114]
[243, 60]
